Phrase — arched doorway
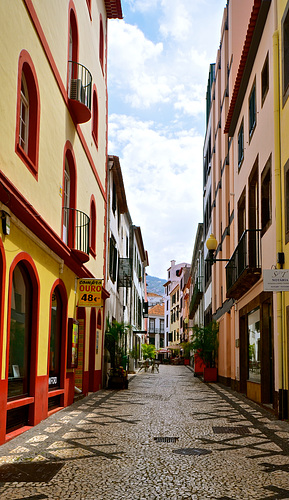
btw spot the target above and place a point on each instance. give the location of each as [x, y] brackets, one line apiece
[92, 347]
[22, 343]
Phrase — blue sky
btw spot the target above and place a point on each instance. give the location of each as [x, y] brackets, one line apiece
[158, 64]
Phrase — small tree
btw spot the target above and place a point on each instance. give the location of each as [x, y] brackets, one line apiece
[205, 342]
[187, 348]
[115, 336]
[148, 351]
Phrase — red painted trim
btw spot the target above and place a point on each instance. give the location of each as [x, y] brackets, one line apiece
[25, 212]
[99, 322]
[26, 66]
[55, 410]
[17, 403]
[57, 392]
[242, 63]
[62, 88]
[17, 432]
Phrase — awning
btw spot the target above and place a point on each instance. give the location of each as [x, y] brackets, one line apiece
[175, 347]
[163, 351]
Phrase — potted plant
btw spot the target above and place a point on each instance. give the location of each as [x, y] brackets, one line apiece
[205, 344]
[187, 347]
[115, 342]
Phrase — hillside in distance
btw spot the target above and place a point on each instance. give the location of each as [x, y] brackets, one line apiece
[155, 285]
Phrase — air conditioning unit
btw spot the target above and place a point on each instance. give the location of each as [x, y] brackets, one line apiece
[77, 91]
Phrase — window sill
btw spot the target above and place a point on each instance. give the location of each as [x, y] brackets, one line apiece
[28, 162]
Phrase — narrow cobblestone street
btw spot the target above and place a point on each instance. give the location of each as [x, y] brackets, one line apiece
[168, 436]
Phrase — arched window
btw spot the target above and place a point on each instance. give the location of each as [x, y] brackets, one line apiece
[68, 196]
[92, 240]
[101, 43]
[95, 117]
[28, 114]
[72, 45]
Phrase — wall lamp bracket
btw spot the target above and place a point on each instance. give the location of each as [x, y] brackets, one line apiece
[212, 244]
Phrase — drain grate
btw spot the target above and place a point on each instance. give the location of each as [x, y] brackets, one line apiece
[192, 451]
[166, 439]
[29, 472]
[239, 429]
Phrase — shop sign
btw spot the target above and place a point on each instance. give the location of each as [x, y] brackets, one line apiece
[276, 280]
[89, 293]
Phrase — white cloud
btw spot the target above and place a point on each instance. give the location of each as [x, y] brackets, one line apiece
[163, 181]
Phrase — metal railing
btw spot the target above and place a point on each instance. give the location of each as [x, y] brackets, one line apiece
[247, 255]
[78, 229]
[80, 83]
[197, 293]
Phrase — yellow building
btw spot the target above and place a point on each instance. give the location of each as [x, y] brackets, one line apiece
[281, 127]
[53, 148]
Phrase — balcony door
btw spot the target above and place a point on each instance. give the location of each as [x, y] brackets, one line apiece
[66, 202]
[253, 217]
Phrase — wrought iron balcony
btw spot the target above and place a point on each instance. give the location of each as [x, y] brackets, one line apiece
[77, 223]
[196, 297]
[156, 330]
[244, 268]
[79, 91]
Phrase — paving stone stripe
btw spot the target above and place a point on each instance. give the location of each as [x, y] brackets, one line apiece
[168, 436]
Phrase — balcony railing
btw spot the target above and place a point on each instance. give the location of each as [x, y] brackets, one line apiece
[197, 295]
[78, 232]
[79, 91]
[156, 330]
[244, 268]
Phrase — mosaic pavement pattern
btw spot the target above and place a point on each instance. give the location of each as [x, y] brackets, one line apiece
[168, 436]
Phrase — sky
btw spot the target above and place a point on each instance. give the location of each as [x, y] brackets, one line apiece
[158, 65]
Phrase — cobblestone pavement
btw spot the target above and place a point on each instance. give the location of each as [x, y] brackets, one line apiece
[168, 436]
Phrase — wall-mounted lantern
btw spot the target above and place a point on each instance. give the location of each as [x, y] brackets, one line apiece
[212, 244]
[5, 222]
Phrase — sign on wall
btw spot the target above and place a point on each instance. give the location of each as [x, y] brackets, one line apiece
[276, 280]
[89, 292]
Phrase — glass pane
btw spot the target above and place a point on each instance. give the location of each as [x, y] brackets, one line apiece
[254, 346]
[55, 341]
[19, 347]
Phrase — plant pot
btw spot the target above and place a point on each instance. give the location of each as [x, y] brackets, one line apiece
[117, 382]
[199, 365]
[186, 361]
[210, 374]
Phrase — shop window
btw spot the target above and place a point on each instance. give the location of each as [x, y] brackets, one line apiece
[28, 114]
[252, 111]
[266, 197]
[254, 346]
[92, 241]
[241, 145]
[265, 79]
[55, 348]
[95, 118]
[20, 334]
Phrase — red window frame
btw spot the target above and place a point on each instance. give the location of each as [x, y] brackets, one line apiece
[29, 158]
[69, 155]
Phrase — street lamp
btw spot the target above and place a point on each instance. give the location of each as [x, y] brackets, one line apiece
[212, 244]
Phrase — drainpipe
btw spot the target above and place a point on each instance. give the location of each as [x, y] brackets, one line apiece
[279, 222]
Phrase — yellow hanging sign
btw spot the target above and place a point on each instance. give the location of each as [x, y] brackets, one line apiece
[89, 293]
